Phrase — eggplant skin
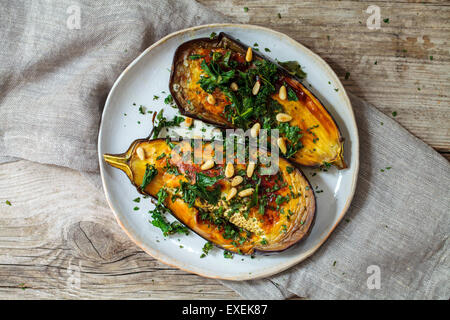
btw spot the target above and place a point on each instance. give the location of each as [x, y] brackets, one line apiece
[322, 141]
[282, 225]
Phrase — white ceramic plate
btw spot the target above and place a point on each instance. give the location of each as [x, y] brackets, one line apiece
[147, 76]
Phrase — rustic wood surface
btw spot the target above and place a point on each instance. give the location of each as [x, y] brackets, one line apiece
[52, 237]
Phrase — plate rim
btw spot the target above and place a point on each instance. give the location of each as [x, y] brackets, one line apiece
[173, 262]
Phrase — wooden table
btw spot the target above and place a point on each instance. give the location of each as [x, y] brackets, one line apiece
[56, 233]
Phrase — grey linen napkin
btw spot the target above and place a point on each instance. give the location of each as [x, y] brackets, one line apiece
[53, 84]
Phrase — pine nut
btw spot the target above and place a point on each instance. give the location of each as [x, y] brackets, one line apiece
[256, 87]
[231, 194]
[249, 55]
[234, 86]
[211, 99]
[282, 145]
[250, 168]
[207, 165]
[282, 93]
[246, 192]
[141, 153]
[188, 122]
[283, 117]
[255, 130]
[229, 170]
[236, 181]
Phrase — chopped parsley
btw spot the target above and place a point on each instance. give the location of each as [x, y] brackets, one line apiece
[196, 56]
[8, 202]
[206, 248]
[290, 169]
[163, 122]
[227, 255]
[150, 173]
[201, 189]
[168, 99]
[291, 95]
[162, 155]
[160, 222]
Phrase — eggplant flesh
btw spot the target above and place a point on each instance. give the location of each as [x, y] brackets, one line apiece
[320, 136]
[282, 215]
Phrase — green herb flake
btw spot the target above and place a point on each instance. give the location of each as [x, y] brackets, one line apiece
[168, 99]
[279, 15]
[162, 155]
[137, 200]
[394, 113]
[245, 9]
[150, 173]
[431, 57]
[267, 50]
[334, 263]
[196, 56]
[8, 202]
[212, 35]
[136, 208]
[155, 97]
[227, 255]
[294, 68]
[386, 20]
[347, 75]
[291, 95]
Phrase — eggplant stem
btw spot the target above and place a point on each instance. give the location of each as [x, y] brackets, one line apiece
[119, 161]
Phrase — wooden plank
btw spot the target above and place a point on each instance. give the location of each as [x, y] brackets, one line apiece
[337, 31]
[59, 239]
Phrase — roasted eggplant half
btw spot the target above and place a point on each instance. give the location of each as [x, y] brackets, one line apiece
[224, 82]
[234, 206]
